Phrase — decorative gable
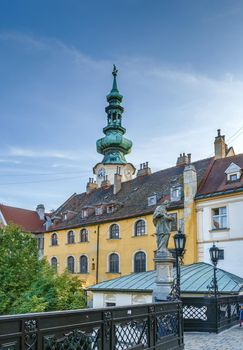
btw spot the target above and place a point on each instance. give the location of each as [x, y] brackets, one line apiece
[233, 172]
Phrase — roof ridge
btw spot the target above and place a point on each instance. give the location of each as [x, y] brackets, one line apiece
[10, 206]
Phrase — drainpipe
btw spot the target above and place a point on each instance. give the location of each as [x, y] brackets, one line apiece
[97, 253]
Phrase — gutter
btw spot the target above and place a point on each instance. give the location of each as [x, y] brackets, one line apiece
[111, 219]
[221, 193]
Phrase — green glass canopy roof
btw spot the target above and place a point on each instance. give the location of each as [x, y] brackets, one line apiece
[194, 279]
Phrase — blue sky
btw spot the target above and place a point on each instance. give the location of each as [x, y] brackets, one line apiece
[180, 72]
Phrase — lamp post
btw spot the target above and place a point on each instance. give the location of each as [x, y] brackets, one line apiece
[180, 242]
[214, 255]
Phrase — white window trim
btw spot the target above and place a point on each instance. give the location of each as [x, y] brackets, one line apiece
[75, 269]
[114, 223]
[87, 263]
[108, 262]
[227, 217]
[54, 256]
[74, 236]
[83, 228]
[134, 227]
[133, 256]
[51, 239]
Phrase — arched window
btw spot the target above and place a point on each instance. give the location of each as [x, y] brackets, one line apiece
[84, 235]
[71, 264]
[83, 264]
[140, 262]
[70, 237]
[140, 228]
[54, 263]
[54, 240]
[114, 231]
[114, 263]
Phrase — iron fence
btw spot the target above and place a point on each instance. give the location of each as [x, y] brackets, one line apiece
[210, 314]
[150, 326]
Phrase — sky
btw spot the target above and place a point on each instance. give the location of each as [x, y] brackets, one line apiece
[180, 68]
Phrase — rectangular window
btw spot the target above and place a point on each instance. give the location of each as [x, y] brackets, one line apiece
[108, 304]
[98, 211]
[219, 218]
[175, 194]
[174, 222]
[110, 209]
[233, 177]
[84, 213]
[221, 254]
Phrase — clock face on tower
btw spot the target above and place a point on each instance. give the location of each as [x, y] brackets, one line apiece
[101, 172]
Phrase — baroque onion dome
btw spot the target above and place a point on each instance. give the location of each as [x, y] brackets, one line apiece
[114, 146]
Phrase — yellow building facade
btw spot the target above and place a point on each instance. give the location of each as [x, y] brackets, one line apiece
[99, 247]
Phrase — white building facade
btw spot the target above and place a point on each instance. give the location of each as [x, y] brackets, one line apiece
[220, 221]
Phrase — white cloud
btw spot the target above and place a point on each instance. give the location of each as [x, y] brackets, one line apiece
[10, 161]
[41, 153]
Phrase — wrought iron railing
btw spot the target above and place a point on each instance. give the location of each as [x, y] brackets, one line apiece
[210, 314]
[151, 326]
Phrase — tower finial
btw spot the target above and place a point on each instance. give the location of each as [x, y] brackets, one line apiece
[115, 70]
[114, 73]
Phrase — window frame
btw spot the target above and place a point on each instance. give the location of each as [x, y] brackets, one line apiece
[174, 228]
[68, 237]
[134, 261]
[87, 264]
[86, 235]
[74, 269]
[220, 216]
[117, 230]
[135, 231]
[52, 240]
[54, 266]
[117, 269]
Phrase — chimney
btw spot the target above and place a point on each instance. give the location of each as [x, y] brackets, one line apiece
[184, 159]
[40, 209]
[189, 211]
[91, 185]
[144, 170]
[117, 180]
[220, 147]
[105, 183]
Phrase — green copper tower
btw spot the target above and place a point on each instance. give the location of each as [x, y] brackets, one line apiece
[114, 146]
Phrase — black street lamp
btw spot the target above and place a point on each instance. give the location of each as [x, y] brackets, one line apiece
[180, 242]
[214, 255]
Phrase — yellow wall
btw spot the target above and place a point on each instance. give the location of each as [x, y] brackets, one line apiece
[126, 246]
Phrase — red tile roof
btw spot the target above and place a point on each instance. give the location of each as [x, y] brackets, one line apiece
[215, 180]
[27, 219]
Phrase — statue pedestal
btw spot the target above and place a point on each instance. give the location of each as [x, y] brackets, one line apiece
[164, 276]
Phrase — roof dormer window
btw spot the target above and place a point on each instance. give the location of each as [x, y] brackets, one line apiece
[98, 211]
[233, 173]
[84, 213]
[175, 193]
[152, 200]
[110, 209]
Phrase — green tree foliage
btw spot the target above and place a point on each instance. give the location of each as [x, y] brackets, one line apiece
[28, 284]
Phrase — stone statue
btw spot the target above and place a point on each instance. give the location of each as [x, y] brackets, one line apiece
[162, 221]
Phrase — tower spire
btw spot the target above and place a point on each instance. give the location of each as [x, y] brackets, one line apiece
[114, 146]
[114, 73]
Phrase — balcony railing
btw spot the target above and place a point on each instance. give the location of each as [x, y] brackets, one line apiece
[150, 326]
[209, 314]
